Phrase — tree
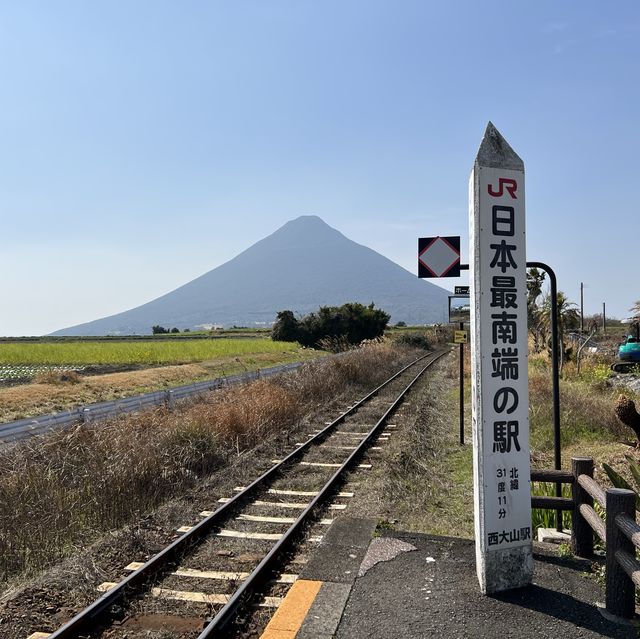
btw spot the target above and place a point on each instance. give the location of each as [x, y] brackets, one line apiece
[635, 309]
[175, 330]
[535, 320]
[627, 413]
[568, 314]
[285, 328]
[352, 322]
[568, 317]
[535, 280]
[159, 330]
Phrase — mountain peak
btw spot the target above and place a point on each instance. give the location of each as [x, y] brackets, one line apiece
[307, 222]
[307, 219]
[306, 227]
[304, 264]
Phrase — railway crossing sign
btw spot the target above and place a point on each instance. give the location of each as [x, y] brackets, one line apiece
[439, 256]
[499, 376]
[460, 337]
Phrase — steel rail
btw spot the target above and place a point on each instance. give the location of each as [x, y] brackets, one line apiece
[197, 533]
[266, 567]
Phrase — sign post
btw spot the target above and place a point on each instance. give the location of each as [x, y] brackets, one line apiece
[440, 257]
[459, 314]
[461, 391]
[500, 396]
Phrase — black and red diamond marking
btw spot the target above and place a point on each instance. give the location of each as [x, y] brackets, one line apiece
[439, 256]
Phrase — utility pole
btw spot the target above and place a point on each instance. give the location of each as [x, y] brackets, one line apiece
[604, 318]
[581, 307]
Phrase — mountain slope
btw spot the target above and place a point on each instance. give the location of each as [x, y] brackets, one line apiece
[303, 265]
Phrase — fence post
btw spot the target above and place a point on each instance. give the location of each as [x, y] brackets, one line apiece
[620, 590]
[581, 533]
[169, 399]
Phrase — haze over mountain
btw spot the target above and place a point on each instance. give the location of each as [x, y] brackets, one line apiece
[303, 265]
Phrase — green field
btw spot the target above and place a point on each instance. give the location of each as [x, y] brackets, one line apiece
[134, 352]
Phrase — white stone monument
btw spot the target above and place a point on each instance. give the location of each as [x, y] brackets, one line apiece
[499, 374]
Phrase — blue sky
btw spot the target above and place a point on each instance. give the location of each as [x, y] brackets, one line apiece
[144, 143]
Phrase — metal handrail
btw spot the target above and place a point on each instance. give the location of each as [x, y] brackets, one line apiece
[30, 426]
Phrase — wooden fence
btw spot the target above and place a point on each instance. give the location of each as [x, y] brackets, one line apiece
[620, 533]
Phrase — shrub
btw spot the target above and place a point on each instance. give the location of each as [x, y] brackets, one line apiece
[285, 328]
[414, 339]
[352, 322]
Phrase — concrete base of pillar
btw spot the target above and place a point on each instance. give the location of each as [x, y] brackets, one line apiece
[505, 569]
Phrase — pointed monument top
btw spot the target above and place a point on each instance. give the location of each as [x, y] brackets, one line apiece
[495, 151]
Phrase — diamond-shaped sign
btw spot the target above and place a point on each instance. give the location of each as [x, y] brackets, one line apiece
[439, 256]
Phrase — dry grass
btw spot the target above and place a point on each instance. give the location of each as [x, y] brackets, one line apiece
[46, 396]
[586, 408]
[427, 483]
[58, 492]
[587, 402]
[424, 479]
[57, 377]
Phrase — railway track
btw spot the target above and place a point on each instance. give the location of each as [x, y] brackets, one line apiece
[245, 554]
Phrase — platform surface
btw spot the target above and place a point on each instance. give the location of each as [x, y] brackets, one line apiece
[409, 585]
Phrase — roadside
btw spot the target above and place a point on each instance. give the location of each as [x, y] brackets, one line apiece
[33, 399]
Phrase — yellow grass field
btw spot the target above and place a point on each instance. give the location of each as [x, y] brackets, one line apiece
[128, 352]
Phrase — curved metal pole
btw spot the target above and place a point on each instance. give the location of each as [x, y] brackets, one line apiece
[555, 376]
[555, 356]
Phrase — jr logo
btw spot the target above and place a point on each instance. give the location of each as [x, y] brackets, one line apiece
[510, 185]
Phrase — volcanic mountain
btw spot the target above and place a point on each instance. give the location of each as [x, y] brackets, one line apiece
[303, 265]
